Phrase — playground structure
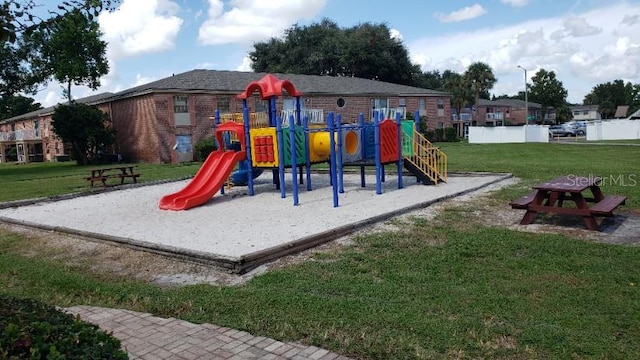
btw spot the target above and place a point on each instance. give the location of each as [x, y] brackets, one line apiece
[250, 143]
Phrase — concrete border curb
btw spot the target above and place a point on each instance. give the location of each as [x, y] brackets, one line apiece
[250, 261]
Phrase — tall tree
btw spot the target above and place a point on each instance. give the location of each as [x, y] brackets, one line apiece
[14, 105]
[608, 96]
[366, 51]
[85, 128]
[17, 17]
[14, 71]
[480, 78]
[19, 20]
[461, 93]
[564, 113]
[72, 52]
[429, 80]
[548, 91]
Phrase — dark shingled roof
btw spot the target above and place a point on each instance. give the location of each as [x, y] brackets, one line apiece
[621, 111]
[90, 100]
[514, 103]
[234, 82]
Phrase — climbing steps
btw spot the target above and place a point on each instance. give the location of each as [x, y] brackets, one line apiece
[425, 161]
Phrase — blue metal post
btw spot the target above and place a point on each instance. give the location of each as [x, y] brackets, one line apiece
[294, 170]
[247, 140]
[273, 115]
[298, 110]
[305, 128]
[332, 159]
[376, 143]
[216, 122]
[339, 155]
[363, 145]
[399, 122]
[216, 115]
[279, 135]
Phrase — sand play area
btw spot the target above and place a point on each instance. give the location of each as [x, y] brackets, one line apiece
[236, 231]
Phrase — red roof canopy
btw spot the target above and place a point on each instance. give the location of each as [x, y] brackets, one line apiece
[269, 86]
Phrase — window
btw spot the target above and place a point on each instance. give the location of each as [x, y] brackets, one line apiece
[379, 103]
[289, 104]
[261, 105]
[13, 126]
[585, 112]
[36, 128]
[576, 113]
[341, 102]
[180, 104]
[183, 143]
[440, 107]
[440, 125]
[402, 102]
[422, 105]
[224, 104]
[181, 110]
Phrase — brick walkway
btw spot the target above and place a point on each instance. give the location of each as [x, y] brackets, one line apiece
[145, 336]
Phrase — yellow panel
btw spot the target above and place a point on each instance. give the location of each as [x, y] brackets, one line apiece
[320, 146]
[263, 132]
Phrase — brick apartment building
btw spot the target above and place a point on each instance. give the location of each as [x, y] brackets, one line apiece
[160, 122]
[498, 112]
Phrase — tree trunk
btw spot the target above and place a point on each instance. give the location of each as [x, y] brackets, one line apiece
[69, 91]
[475, 114]
[81, 153]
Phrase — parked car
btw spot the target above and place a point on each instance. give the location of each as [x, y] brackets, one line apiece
[580, 127]
[562, 131]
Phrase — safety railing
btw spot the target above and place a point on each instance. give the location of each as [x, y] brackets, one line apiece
[21, 135]
[256, 120]
[428, 158]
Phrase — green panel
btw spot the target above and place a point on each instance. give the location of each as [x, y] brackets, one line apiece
[300, 149]
[407, 137]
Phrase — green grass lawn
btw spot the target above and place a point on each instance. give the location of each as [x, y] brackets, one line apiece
[450, 287]
[35, 180]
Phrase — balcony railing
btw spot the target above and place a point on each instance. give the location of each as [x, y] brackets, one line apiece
[390, 113]
[494, 116]
[21, 135]
[314, 116]
[462, 117]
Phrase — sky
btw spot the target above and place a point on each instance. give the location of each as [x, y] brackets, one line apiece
[585, 42]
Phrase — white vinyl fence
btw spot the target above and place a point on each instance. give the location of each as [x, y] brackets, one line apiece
[508, 134]
[614, 130]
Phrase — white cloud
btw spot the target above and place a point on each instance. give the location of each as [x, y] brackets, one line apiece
[248, 21]
[140, 27]
[205, 65]
[631, 19]
[246, 64]
[515, 3]
[579, 61]
[463, 14]
[576, 27]
[396, 34]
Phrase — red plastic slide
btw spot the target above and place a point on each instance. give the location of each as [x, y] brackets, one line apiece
[208, 180]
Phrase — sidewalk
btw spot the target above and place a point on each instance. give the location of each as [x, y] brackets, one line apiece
[144, 336]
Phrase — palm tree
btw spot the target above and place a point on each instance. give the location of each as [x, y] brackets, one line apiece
[480, 77]
[461, 93]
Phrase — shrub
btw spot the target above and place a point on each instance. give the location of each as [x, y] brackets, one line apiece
[442, 135]
[33, 330]
[204, 147]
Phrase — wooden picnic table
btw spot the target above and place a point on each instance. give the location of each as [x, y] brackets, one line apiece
[550, 197]
[120, 172]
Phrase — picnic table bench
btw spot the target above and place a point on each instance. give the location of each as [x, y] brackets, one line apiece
[118, 172]
[550, 196]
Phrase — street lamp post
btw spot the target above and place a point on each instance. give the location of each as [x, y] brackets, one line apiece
[526, 101]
